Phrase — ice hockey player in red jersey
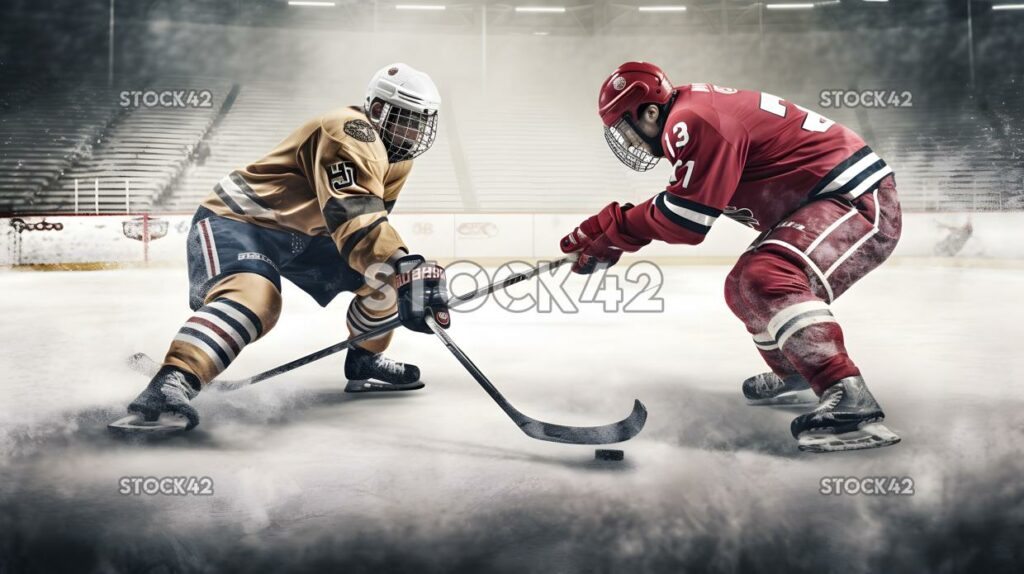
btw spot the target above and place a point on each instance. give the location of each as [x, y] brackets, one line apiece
[825, 205]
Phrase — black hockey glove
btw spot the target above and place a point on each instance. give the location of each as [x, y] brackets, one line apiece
[421, 289]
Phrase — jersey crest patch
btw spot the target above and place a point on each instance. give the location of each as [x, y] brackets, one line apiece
[360, 130]
[341, 175]
[742, 214]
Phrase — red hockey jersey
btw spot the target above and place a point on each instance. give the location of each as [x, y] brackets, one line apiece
[752, 157]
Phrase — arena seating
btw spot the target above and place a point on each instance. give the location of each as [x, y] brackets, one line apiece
[950, 154]
[947, 156]
[145, 149]
[263, 114]
[538, 157]
[1005, 99]
[46, 129]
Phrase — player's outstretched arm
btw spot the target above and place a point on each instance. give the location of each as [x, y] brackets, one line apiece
[601, 239]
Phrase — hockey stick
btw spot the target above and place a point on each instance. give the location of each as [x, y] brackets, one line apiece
[144, 364]
[623, 430]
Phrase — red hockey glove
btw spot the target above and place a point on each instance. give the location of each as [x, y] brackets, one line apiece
[600, 240]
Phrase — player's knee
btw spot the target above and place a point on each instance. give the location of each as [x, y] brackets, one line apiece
[767, 276]
[254, 292]
[733, 298]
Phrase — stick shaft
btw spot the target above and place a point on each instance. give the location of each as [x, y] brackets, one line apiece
[453, 303]
[474, 370]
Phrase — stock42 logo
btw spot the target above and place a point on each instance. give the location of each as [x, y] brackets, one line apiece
[741, 214]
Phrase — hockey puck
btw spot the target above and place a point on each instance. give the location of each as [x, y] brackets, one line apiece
[608, 454]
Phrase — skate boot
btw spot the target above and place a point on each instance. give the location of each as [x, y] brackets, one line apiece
[771, 389]
[846, 418]
[163, 407]
[389, 375]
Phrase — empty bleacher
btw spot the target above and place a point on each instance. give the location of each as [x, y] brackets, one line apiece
[954, 153]
[948, 155]
[264, 114]
[1005, 100]
[139, 155]
[535, 156]
[46, 129]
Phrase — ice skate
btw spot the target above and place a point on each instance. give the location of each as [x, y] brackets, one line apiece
[373, 372]
[771, 389]
[846, 418]
[163, 406]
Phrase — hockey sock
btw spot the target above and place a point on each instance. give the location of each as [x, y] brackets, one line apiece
[773, 356]
[811, 340]
[212, 337]
[362, 317]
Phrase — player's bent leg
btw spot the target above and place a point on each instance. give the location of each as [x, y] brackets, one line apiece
[365, 363]
[801, 326]
[238, 309]
[783, 384]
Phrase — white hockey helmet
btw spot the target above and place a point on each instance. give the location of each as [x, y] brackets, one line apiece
[407, 116]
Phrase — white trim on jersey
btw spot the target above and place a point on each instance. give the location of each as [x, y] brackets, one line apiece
[868, 183]
[686, 213]
[850, 173]
[243, 200]
[855, 179]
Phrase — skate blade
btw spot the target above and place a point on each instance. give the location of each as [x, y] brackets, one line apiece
[872, 435]
[167, 423]
[379, 387]
[801, 397]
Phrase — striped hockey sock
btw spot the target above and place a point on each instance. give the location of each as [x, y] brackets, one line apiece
[810, 338]
[361, 319]
[211, 339]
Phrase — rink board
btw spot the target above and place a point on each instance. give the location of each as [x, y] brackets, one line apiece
[119, 240]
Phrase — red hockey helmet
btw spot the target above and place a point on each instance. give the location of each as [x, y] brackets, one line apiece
[632, 85]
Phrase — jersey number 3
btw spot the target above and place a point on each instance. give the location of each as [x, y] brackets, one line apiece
[814, 122]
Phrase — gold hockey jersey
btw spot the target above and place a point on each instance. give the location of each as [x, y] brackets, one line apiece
[329, 177]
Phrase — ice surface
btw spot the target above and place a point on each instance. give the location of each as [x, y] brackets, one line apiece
[441, 480]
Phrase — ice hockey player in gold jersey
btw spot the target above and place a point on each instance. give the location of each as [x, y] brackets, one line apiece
[314, 210]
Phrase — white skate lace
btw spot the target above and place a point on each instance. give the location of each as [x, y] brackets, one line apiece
[767, 383]
[827, 404]
[174, 385]
[389, 365]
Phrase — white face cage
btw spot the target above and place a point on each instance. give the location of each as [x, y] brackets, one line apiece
[635, 157]
[406, 134]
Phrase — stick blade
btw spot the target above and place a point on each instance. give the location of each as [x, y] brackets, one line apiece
[621, 431]
[145, 365]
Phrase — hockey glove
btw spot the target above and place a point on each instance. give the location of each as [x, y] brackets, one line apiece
[600, 240]
[421, 289]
